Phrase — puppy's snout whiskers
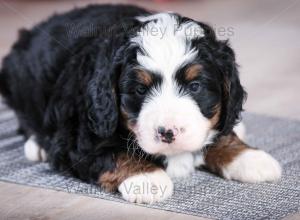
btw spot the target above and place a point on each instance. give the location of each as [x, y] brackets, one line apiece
[133, 150]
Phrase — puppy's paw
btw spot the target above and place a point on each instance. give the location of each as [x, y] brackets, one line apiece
[253, 166]
[33, 151]
[147, 187]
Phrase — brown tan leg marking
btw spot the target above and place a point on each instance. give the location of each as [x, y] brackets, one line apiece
[125, 167]
[223, 152]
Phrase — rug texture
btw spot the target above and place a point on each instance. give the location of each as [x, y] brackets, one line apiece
[202, 194]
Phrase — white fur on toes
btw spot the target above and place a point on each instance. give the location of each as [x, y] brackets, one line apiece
[33, 151]
[43, 155]
[147, 187]
[253, 166]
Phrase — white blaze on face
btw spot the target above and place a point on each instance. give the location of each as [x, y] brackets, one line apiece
[164, 53]
[166, 44]
[168, 110]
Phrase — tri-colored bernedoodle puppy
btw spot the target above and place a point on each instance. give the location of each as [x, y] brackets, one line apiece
[123, 97]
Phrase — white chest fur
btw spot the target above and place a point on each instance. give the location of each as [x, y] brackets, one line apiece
[184, 164]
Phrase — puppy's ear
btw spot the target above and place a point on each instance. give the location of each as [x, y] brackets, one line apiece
[102, 103]
[233, 94]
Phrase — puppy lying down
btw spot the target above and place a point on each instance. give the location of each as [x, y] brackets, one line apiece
[143, 98]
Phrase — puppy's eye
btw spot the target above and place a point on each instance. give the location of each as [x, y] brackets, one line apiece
[194, 87]
[141, 90]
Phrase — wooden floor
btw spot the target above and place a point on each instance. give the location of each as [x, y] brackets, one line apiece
[266, 40]
[21, 202]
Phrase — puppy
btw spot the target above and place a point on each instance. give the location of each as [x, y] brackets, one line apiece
[126, 98]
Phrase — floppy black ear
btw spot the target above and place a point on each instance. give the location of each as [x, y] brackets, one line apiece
[233, 94]
[102, 103]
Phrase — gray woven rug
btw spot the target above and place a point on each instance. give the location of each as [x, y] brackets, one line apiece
[202, 194]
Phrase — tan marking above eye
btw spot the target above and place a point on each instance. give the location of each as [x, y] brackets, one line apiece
[192, 72]
[145, 77]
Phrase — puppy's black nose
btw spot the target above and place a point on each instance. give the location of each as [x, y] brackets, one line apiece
[161, 130]
[166, 135]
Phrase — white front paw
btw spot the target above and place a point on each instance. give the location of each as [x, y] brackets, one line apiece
[33, 151]
[253, 166]
[147, 187]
